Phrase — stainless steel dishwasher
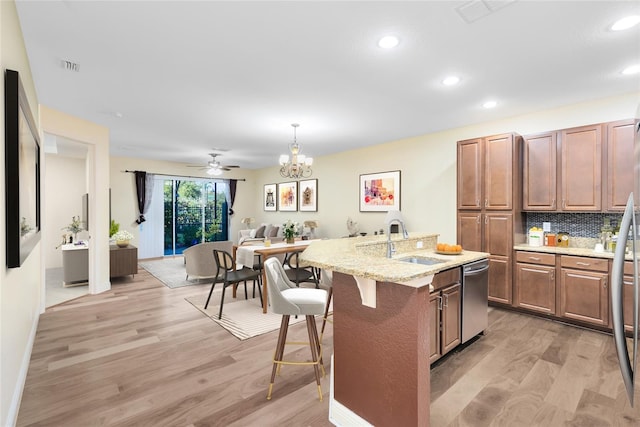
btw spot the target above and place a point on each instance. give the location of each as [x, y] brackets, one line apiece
[475, 296]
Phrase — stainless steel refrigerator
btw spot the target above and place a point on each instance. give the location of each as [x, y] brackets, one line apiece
[627, 356]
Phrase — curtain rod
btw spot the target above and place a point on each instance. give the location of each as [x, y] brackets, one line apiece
[185, 176]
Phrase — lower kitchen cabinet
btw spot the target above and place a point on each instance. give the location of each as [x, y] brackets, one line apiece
[627, 295]
[445, 315]
[584, 290]
[535, 282]
[500, 280]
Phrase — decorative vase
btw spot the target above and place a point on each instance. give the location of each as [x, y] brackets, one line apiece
[122, 243]
[290, 240]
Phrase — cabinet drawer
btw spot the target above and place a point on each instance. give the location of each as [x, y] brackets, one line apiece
[446, 278]
[583, 263]
[536, 258]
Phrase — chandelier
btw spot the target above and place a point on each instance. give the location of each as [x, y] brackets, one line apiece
[300, 165]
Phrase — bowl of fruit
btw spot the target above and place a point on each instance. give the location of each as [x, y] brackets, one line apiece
[448, 249]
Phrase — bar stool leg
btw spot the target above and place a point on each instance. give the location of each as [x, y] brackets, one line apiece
[326, 312]
[277, 357]
[313, 344]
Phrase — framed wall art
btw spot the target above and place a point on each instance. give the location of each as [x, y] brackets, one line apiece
[308, 198]
[380, 192]
[288, 196]
[22, 173]
[270, 198]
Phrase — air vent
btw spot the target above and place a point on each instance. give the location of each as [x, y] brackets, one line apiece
[477, 9]
[70, 65]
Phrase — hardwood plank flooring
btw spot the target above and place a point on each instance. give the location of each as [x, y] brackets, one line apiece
[141, 355]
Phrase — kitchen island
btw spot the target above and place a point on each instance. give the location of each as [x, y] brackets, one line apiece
[380, 365]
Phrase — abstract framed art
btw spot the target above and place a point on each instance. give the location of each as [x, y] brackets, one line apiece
[270, 198]
[288, 196]
[308, 197]
[380, 192]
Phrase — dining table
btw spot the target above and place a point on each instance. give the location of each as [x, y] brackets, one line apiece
[245, 254]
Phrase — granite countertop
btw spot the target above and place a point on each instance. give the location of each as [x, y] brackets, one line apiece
[365, 257]
[576, 251]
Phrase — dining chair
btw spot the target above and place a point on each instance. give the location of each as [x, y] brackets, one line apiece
[226, 269]
[298, 272]
[287, 299]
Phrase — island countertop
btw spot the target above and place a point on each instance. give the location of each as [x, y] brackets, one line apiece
[365, 257]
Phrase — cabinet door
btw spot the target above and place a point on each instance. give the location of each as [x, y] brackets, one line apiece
[500, 279]
[470, 230]
[498, 172]
[535, 288]
[470, 174]
[498, 234]
[581, 168]
[584, 296]
[451, 318]
[539, 170]
[620, 167]
[123, 261]
[434, 326]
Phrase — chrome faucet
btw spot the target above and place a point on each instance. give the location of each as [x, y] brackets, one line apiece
[391, 247]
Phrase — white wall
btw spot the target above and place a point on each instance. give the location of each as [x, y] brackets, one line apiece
[61, 173]
[19, 287]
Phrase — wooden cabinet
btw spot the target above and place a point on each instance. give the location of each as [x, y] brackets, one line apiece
[539, 172]
[621, 171]
[489, 200]
[584, 290]
[581, 171]
[535, 282]
[445, 316]
[123, 261]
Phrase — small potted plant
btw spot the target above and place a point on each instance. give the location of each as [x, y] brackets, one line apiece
[74, 228]
[290, 229]
[122, 238]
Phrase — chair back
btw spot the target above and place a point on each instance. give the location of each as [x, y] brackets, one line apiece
[277, 282]
[224, 262]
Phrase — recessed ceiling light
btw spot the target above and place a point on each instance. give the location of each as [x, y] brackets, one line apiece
[451, 80]
[632, 69]
[489, 104]
[388, 42]
[626, 23]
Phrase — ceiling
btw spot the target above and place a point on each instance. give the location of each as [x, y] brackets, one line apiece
[176, 80]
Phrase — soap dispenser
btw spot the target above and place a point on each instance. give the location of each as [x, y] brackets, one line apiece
[605, 235]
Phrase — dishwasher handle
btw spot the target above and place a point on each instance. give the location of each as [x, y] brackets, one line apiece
[468, 273]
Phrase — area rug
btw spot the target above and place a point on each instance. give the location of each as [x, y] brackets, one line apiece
[243, 318]
[171, 272]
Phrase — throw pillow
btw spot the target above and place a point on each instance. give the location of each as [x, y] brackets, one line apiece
[252, 233]
[267, 230]
[260, 232]
[273, 232]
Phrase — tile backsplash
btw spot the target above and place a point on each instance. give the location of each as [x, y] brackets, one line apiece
[576, 224]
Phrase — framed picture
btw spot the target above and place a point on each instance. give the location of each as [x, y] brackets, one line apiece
[308, 195]
[270, 197]
[288, 196]
[380, 192]
[22, 173]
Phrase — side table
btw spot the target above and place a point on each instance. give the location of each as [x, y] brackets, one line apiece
[123, 261]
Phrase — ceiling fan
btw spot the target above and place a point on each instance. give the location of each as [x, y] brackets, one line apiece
[214, 167]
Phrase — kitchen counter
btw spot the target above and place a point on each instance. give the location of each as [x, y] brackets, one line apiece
[587, 252]
[365, 257]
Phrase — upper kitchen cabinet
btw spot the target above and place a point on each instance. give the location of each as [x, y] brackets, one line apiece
[539, 172]
[487, 172]
[470, 164]
[581, 171]
[620, 167]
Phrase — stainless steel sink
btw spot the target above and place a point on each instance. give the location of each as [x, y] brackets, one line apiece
[421, 260]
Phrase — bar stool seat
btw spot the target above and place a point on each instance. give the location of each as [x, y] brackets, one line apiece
[287, 299]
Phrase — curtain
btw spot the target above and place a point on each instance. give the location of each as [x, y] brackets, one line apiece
[231, 196]
[144, 190]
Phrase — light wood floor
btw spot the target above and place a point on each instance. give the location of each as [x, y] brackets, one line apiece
[141, 355]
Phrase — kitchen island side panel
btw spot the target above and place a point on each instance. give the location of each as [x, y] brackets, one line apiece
[381, 355]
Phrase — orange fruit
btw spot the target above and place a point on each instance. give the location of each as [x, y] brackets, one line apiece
[458, 248]
[440, 246]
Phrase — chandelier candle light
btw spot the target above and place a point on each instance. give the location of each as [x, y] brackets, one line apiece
[300, 165]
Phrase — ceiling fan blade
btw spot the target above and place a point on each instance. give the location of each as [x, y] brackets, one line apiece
[231, 166]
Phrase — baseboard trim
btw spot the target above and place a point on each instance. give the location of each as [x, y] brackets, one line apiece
[12, 416]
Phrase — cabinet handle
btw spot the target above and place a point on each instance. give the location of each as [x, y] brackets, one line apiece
[478, 202]
[439, 303]
[553, 274]
[486, 203]
[553, 204]
[564, 204]
[586, 264]
[478, 219]
[535, 258]
[486, 220]
[605, 283]
[446, 300]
